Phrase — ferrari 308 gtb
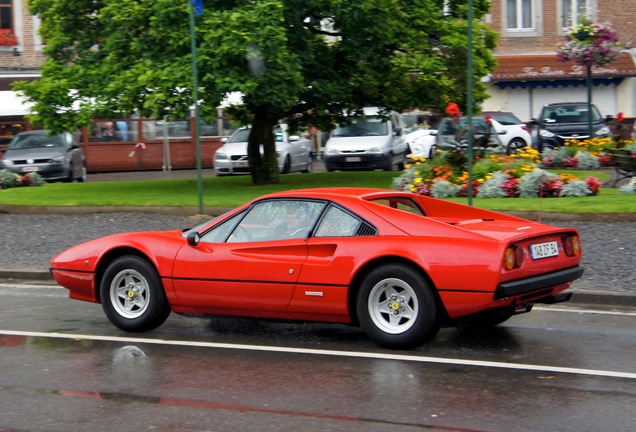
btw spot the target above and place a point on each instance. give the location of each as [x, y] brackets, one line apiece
[398, 265]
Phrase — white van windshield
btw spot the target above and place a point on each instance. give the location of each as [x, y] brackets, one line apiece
[364, 126]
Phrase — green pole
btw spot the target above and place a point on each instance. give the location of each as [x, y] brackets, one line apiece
[195, 97]
[469, 101]
[589, 101]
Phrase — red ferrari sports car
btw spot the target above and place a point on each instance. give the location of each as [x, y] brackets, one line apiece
[397, 264]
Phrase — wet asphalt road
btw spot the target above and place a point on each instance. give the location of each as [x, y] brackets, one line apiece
[65, 367]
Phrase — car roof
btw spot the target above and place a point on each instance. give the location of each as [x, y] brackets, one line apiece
[334, 192]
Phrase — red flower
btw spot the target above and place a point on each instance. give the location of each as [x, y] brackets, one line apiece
[619, 117]
[453, 110]
[8, 38]
[488, 119]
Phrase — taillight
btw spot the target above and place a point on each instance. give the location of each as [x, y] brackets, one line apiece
[572, 245]
[513, 258]
[525, 128]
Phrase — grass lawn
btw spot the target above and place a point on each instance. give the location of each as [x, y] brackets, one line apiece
[233, 191]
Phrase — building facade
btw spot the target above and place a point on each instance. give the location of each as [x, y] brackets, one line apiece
[529, 75]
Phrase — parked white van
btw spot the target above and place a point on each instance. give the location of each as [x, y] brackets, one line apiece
[373, 141]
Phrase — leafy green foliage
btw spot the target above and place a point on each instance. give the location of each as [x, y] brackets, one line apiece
[310, 61]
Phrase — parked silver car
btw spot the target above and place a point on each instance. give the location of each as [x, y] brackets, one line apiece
[294, 154]
[54, 157]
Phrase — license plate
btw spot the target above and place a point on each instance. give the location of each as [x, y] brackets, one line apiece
[353, 159]
[30, 169]
[241, 164]
[544, 250]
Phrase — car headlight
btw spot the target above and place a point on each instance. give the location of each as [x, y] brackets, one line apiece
[602, 131]
[220, 156]
[375, 150]
[56, 160]
[331, 151]
[7, 162]
[546, 133]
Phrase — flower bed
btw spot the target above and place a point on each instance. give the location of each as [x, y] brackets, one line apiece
[494, 176]
[10, 179]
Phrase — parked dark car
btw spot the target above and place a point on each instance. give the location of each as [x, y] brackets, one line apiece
[54, 157]
[558, 122]
[452, 133]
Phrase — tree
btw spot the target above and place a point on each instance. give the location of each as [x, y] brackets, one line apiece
[307, 61]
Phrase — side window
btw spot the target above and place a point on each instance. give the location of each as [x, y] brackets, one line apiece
[337, 223]
[277, 220]
[219, 233]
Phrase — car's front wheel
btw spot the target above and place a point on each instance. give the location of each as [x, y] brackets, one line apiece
[397, 308]
[132, 295]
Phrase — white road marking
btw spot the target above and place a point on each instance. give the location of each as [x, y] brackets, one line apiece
[583, 311]
[352, 354]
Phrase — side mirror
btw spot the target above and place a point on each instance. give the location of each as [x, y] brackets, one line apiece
[293, 138]
[433, 133]
[193, 238]
[533, 122]
[224, 139]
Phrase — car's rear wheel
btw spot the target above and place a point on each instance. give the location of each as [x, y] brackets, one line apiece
[132, 295]
[286, 165]
[396, 307]
[515, 144]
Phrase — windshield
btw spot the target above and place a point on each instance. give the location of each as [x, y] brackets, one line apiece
[242, 135]
[570, 114]
[30, 141]
[364, 126]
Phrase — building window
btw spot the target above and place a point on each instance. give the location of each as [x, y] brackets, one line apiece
[519, 15]
[6, 14]
[573, 11]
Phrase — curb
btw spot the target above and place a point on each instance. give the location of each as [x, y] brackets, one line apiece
[582, 297]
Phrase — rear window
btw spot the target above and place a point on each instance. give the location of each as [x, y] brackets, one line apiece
[506, 119]
[569, 114]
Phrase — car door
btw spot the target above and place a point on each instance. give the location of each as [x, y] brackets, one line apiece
[250, 262]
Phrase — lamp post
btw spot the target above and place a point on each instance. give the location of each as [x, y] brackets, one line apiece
[469, 101]
[195, 97]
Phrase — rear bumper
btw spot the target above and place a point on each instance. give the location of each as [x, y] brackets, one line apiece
[535, 284]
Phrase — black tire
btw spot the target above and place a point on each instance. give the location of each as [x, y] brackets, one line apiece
[396, 307]
[70, 176]
[132, 295]
[286, 165]
[432, 151]
[515, 144]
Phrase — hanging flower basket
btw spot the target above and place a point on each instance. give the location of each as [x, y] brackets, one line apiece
[590, 44]
[8, 38]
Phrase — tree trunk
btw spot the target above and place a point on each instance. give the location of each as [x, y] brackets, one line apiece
[264, 166]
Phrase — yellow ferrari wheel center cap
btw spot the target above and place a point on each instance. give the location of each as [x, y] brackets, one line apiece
[131, 293]
[395, 306]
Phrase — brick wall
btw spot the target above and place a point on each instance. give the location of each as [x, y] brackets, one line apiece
[621, 13]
